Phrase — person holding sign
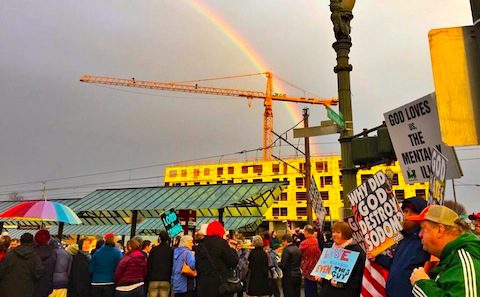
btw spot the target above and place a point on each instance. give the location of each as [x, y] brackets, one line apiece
[342, 238]
[409, 252]
[447, 237]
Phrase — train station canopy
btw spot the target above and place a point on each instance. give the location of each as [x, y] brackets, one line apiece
[110, 210]
[237, 200]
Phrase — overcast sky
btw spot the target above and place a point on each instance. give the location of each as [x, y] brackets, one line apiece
[52, 126]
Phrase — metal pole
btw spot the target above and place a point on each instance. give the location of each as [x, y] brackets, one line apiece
[60, 230]
[220, 215]
[133, 228]
[475, 6]
[454, 192]
[307, 169]
[341, 26]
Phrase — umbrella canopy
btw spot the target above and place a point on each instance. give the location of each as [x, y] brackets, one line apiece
[42, 211]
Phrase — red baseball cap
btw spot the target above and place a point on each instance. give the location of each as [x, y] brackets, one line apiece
[474, 216]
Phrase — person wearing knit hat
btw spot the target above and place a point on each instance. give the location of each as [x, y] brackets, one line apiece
[409, 252]
[102, 267]
[42, 237]
[447, 237]
[214, 258]
[44, 286]
[215, 228]
[72, 249]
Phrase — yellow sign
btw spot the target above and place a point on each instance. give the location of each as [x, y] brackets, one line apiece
[456, 72]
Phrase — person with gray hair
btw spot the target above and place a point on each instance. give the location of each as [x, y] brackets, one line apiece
[183, 283]
[259, 265]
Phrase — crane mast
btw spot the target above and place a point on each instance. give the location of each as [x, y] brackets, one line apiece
[268, 98]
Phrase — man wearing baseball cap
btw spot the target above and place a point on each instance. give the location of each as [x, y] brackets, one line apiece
[446, 236]
[408, 254]
[475, 218]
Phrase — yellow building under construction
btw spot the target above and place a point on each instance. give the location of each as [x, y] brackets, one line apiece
[291, 205]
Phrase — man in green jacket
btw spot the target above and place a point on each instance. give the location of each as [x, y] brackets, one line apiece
[446, 236]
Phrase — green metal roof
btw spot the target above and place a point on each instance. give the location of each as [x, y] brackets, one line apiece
[237, 199]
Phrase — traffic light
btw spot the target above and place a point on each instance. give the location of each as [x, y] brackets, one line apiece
[368, 151]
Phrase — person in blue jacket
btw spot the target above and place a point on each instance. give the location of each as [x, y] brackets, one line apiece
[182, 285]
[102, 268]
[409, 253]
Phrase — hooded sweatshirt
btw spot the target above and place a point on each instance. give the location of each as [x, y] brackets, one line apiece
[44, 286]
[19, 270]
[457, 274]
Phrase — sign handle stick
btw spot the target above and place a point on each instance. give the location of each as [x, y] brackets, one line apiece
[454, 192]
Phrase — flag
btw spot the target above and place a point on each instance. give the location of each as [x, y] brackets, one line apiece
[374, 280]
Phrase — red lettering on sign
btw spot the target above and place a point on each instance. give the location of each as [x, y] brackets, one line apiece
[324, 268]
[345, 254]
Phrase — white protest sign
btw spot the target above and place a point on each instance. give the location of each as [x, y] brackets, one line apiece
[414, 129]
[356, 232]
[317, 203]
[377, 213]
[436, 189]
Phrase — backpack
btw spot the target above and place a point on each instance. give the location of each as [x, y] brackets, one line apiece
[242, 267]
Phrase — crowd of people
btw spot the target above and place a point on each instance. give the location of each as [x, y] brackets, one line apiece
[439, 255]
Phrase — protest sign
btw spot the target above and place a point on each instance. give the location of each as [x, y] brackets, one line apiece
[171, 223]
[376, 213]
[414, 129]
[335, 264]
[317, 203]
[436, 191]
[357, 234]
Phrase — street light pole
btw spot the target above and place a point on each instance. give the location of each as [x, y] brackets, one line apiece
[307, 170]
[341, 17]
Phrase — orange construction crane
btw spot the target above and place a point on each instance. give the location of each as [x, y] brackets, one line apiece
[195, 88]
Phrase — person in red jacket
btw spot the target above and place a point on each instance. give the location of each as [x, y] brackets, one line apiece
[310, 255]
[131, 271]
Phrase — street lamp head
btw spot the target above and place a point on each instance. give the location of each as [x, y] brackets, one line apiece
[347, 4]
[342, 5]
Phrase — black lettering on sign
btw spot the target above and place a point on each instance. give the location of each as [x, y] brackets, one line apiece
[396, 118]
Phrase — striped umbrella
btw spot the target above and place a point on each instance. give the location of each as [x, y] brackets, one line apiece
[42, 211]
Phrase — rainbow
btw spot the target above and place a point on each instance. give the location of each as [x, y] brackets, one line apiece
[216, 20]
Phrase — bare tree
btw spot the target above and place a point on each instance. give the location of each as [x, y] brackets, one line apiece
[15, 196]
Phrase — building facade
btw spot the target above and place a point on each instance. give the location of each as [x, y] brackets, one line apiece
[292, 203]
